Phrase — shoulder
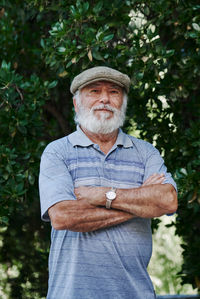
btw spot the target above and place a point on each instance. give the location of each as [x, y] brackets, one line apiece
[56, 145]
[144, 149]
[142, 145]
[60, 147]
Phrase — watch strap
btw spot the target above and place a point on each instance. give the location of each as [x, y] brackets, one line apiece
[108, 203]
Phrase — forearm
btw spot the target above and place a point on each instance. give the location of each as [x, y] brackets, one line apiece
[147, 201]
[101, 218]
[79, 216]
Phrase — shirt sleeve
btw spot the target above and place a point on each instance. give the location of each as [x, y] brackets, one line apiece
[55, 182]
[155, 164]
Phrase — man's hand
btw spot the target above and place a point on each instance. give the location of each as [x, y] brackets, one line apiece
[155, 178]
[96, 195]
[84, 214]
[151, 199]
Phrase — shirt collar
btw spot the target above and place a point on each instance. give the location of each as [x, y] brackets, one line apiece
[79, 138]
[123, 139]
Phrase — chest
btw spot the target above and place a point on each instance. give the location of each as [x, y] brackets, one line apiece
[122, 168]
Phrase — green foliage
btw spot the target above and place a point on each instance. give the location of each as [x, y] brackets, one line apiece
[21, 128]
[83, 38]
[167, 259]
[22, 144]
[43, 44]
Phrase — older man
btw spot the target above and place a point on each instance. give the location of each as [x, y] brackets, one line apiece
[99, 188]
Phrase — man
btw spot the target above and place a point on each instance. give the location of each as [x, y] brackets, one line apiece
[99, 188]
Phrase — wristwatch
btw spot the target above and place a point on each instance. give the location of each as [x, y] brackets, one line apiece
[110, 196]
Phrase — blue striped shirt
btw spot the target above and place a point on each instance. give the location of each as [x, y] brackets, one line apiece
[107, 263]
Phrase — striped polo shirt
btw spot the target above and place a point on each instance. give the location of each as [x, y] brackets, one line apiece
[106, 263]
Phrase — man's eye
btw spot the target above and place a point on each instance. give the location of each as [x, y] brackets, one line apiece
[114, 91]
[94, 90]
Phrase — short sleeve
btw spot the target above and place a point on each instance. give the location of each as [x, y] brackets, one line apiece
[155, 164]
[55, 182]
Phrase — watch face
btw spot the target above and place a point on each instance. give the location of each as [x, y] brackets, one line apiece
[111, 195]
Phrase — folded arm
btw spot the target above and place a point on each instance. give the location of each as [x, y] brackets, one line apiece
[152, 199]
[80, 216]
[147, 201]
[88, 213]
[56, 183]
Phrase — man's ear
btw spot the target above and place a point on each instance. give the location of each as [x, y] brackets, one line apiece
[75, 105]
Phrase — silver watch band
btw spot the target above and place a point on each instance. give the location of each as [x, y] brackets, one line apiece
[108, 204]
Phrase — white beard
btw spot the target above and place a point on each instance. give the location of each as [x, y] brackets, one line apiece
[103, 125]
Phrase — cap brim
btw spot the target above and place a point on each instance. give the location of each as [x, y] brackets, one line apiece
[101, 79]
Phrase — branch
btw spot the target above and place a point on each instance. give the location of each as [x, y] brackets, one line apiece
[58, 116]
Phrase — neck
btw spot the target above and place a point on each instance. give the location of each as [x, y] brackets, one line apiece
[105, 141]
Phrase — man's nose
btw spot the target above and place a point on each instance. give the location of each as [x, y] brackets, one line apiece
[104, 98]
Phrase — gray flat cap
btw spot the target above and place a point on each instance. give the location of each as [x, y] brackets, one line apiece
[100, 73]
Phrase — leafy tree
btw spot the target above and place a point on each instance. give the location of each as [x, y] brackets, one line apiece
[43, 45]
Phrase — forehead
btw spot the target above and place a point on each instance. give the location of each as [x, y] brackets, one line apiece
[100, 84]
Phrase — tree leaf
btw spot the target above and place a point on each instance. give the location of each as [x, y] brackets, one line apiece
[196, 26]
[98, 7]
[53, 84]
[90, 55]
[108, 37]
[96, 55]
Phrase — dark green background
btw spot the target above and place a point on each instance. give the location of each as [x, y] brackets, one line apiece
[43, 45]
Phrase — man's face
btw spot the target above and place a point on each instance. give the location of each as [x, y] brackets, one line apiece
[101, 107]
[102, 92]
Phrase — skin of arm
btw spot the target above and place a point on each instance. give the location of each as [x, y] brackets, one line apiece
[152, 199]
[82, 216]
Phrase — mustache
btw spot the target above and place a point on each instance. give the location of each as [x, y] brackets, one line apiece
[102, 106]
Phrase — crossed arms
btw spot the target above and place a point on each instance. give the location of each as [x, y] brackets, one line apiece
[88, 212]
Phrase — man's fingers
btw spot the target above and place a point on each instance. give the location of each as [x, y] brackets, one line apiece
[155, 178]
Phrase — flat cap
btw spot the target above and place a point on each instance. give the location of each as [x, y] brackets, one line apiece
[99, 73]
